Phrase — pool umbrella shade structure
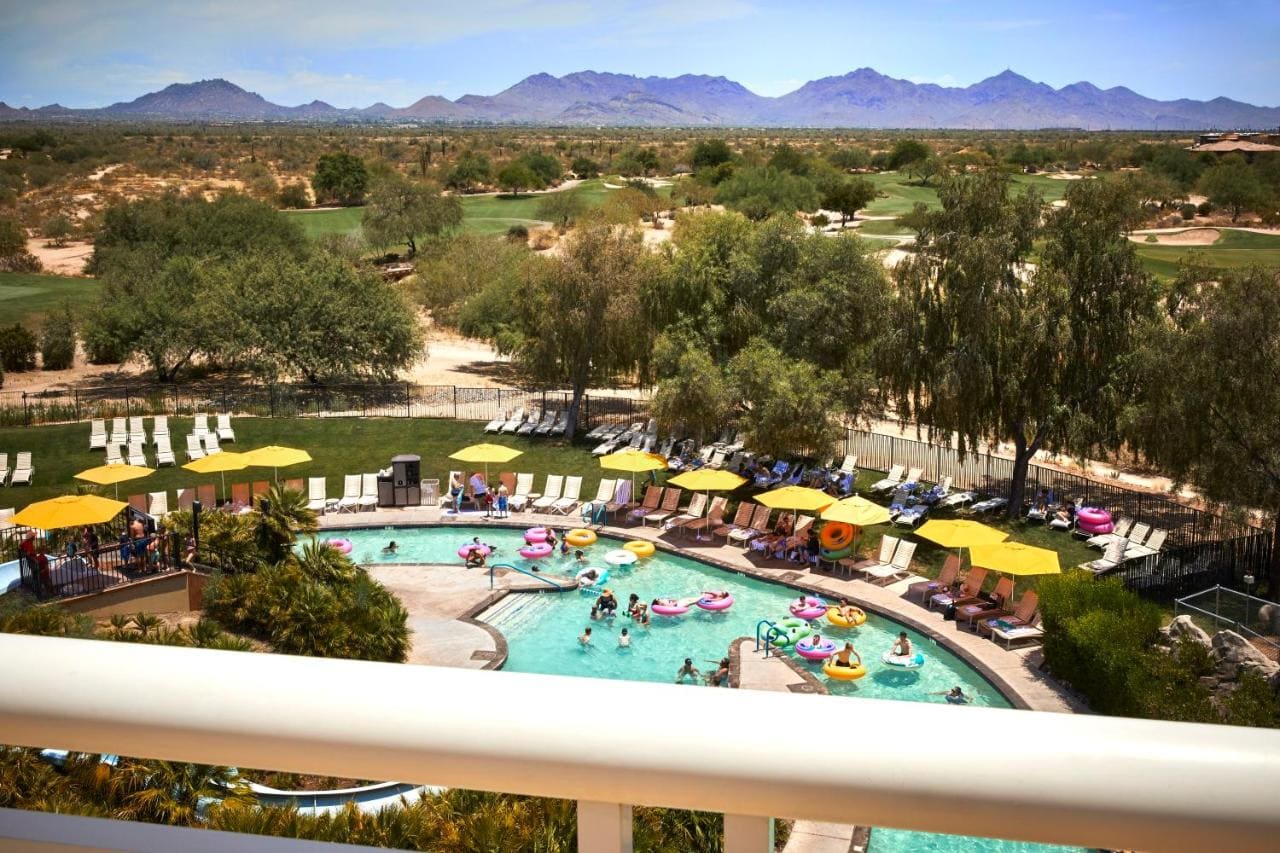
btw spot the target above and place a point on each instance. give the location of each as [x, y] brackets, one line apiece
[69, 511]
[1016, 559]
[708, 480]
[219, 463]
[275, 457]
[114, 475]
[485, 454]
[960, 533]
[857, 511]
[797, 499]
[633, 462]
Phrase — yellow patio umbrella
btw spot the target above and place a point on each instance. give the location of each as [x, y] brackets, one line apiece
[486, 453]
[219, 463]
[114, 475]
[275, 457]
[632, 461]
[1016, 559]
[857, 511]
[68, 511]
[707, 480]
[796, 498]
[960, 533]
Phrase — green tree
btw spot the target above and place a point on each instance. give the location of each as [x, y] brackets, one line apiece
[472, 169]
[56, 229]
[694, 397]
[172, 793]
[14, 256]
[17, 349]
[788, 159]
[1233, 184]
[907, 151]
[340, 178]
[787, 405]
[579, 313]
[294, 196]
[584, 167]
[760, 193]
[924, 168]
[710, 153]
[561, 208]
[983, 350]
[462, 269]
[545, 166]
[849, 159]
[402, 211]
[848, 197]
[517, 176]
[58, 339]
[1208, 411]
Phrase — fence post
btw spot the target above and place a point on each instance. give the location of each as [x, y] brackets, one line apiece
[408, 405]
[75, 395]
[455, 402]
[271, 398]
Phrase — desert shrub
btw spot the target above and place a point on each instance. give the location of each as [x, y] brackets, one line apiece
[518, 234]
[58, 340]
[819, 220]
[1205, 208]
[1187, 211]
[100, 347]
[17, 348]
[294, 196]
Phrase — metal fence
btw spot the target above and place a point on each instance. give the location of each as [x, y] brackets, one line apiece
[1221, 608]
[396, 399]
[85, 571]
[1179, 571]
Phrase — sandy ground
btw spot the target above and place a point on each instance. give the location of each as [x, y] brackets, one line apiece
[1187, 237]
[1065, 176]
[68, 260]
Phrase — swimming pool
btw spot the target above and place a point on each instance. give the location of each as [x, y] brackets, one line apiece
[542, 630]
[902, 841]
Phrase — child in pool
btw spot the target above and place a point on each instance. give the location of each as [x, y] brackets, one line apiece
[846, 657]
[902, 648]
[688, 670]
[391, 547]
[579, 557]
[564, 546]
[955, 696]
[624, 639]
[585, 639]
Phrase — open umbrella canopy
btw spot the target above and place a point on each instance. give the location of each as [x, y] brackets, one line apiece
[798, 498]
[707, 480]
[109, 475]
[486, 453]
[274, 456]
[68, 511]
[218, 463]
[633, 461]
[1015, 558]
[960, 534]
[857, 511]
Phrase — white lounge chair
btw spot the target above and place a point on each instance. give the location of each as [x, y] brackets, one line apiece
[4, 468]
[369, 492]
[888, 546]
[114, 455]
[23, 471]
[210, 442]
[158, 504]
[6, 524]
[317, 494]
[195, 450]
[119, 431]
[225, 432]
[550, 494]
[897, 568]
[604, 493]
[350, 500]
[135, 455]
[570, 499]
[514, 422]
[496, 424]
[137, 432]
[956, 499]
[523, 494]
[890, 481]
[1153, 545]
[849, 465]
[160, 428]
[200, 425]
[1110, 558]
[97, 434]
[1120, 531]
[530, 424]
[1020, 632]
[164, 453]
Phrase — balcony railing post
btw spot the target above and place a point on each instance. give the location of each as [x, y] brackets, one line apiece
[605, 828]
[748, 834]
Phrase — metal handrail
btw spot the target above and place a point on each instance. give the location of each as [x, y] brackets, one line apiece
[558, 587]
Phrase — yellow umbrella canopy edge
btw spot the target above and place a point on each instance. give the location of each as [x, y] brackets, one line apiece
[798, 498]
[68, 511]
[708, 480]
[857, 511]
[109, 475]
[960, 533]
[633, 461]
[495, 453]
[275, 456]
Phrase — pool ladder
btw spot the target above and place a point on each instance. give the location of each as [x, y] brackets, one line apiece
[765, 637]
[548, 581]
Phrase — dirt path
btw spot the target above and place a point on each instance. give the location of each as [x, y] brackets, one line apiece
[65, 260]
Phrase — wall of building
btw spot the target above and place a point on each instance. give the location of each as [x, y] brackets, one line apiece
[168, 593]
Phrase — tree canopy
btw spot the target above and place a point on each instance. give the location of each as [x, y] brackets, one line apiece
[402, 211]
[340, 178]
[761, 192]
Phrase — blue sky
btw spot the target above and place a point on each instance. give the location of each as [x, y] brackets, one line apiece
[354, 53]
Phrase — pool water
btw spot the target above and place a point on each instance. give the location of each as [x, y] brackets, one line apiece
[902, 841]
[542, 630]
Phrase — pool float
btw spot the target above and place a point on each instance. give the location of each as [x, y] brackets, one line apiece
[832, 556]
[807, 650]
[843, 673]
[465, 550]
[715, 601]
[619, 557]
[535, 551]
[640, 548]
[535, 535]
[790, 631]
[580, 538]
[342, 546]
[815, 608]
[669, 607]
[911, 661]
[835, 617]
[836, 536]
[594, 582]
[1094, 521]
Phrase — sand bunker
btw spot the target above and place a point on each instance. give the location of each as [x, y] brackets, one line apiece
[67, 260]
[1189, 237]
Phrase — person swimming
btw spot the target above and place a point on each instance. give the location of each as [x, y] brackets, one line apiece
[955, 696]
[391, 547]
[688, 670]
[846, 657]
[585, 639]
[624, 639]
[902, 648]
[475, 557]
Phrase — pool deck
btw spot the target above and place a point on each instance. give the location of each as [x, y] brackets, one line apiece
[444, 609]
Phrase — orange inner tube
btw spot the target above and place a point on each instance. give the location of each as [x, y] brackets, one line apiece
[836, 535]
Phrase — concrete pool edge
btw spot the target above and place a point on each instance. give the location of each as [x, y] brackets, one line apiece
[792, 579]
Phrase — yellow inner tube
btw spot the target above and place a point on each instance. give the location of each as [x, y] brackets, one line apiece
[580, 537]
[835, 617]
[843, 673]
[836, 535]
[640, 548]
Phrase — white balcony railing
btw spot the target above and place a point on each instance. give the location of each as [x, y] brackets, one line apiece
[1067, 779]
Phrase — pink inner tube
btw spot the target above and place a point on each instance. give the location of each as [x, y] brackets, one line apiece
[536, 551]
[815, 608]
[342, 546]
[809, 651]
[1092, 516]
[714, 604]
[534, 535]
[672, 609]
[1096, 529]
[465, 550]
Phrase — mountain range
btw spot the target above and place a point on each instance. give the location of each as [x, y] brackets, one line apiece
[861, 98]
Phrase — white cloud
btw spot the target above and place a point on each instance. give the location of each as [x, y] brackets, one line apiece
[940, 80]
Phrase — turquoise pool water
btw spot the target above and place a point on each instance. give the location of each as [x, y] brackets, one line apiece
[542, 630]
[901, 841]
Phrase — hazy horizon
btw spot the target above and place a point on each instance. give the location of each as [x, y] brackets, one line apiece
[396, 51]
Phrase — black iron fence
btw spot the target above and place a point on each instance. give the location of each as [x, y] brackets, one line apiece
[395, 399]
[85, 571]
[1175, 572]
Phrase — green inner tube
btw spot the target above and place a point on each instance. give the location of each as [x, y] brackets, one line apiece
[792, 630]
[838, 554]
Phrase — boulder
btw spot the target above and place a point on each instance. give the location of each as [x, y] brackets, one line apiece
[1184, 628]
[1232, 651]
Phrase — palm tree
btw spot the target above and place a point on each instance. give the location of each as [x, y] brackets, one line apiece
[170, 792]
[286, 517]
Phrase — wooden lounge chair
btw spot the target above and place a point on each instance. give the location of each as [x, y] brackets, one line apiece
[741, 521]
[670, 506]
[1024, 614]
[996, 606]
[760, 526]
[693, 512]
[950, 571]
[241, 495]
[207, 495]
[138, 502]
[652, 499]
[712, 520]
[968, 591]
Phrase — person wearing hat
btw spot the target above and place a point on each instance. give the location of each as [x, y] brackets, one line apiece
[607, 603]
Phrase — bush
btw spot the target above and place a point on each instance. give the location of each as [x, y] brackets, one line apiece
[1205, 208]
[518, 234]
[294, 196]
[1187, 211]
[58, 340]
[819, 220]
[100, 347]
[17, 348]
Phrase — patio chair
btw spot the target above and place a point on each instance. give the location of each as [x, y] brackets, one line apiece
[1119, 531]
[989, 505]
[23, 470]
[295, 484]
[548, 420]
[957, 499]
[97, 434]
[119, 432]
[350, 500]
[368, 492]
[939, 491]
[186, 497]
[134, 454]
[849, 465]
[888, 545]
[522, 493]
[164, 453]
[158, 504]
[621, 498]
[530, 424]
[693, 512]
[759, 527]
[652, 499]
[670, 506]
[713, 519]
[195, 450]
[115, 456]
[896, 569]
[4, 468]
[5, 523]
[496, 424]
[210, 442]
[608, 440]
[1153, 545]
[889, 482]
[560, 425]
[550, 493]
[604, 493]
[318, 494]
[1024, 614]
[1112, 557]
[968, 590]
[741, 521]
[137, 432]
[207, 495]
[950, 571]
[258, 488]
[513, 423]
[570, 499]
[991, 608]
[225, 432]
[911, 516]
[1019, 632]
[200, 425]
[160, 427]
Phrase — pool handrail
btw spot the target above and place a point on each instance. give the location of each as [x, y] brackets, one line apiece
[545, 580]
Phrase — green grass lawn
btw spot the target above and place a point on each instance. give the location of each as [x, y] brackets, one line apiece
[900, 193]
[1234, 249]
[25, 296]
[883, 228]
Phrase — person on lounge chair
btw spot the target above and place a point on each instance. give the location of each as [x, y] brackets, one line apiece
[847, 656]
